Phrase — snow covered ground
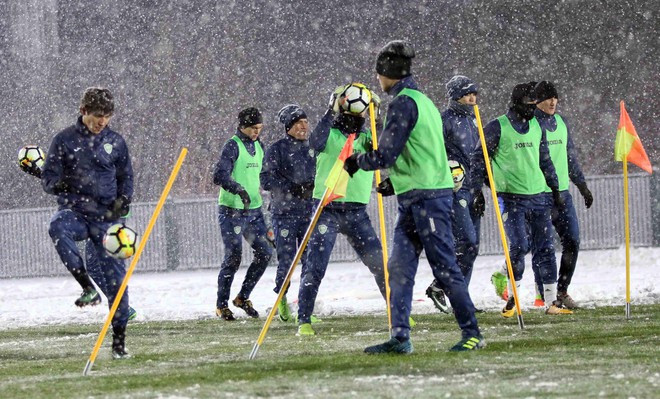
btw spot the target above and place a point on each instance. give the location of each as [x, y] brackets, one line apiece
[348, 288]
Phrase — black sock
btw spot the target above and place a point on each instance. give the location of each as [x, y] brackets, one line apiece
[83, 279]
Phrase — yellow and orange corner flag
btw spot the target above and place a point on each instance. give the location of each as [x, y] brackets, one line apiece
[338, 178]
[628, 146]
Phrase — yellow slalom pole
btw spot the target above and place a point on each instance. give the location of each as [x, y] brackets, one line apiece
[626, 223]
[289, 275]
[381, 215]
[500, 224]
[135, 259]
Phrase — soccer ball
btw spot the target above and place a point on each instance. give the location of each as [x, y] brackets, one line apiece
[31, 155]
[355, 98]
[457, 173]
[120, 241]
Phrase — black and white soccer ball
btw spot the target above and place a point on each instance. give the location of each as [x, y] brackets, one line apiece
[120, 241]
[457, 174]
[355, 98]
[31, 155]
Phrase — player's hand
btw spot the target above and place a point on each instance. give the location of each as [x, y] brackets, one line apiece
[479, 203]
[245, 197]
[333, 104]
[303, 191]
[586, 194]
[31, 169]
[351, 164]
[119, 208]
[557, 199]
[385, 188]
[61, 187]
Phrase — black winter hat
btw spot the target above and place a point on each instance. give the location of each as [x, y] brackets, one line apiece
[290, 114]
[395, 59]
[545, 90]
[459, 86]
[249, 117]
[523, 93]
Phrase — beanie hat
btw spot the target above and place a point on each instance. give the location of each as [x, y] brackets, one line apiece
[290, 114]
[545, 90]
[459, 86]
[523, 93]
[395, 59]
[249, 117]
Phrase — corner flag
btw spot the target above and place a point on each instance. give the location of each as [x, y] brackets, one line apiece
[338, 178]
[628, 146]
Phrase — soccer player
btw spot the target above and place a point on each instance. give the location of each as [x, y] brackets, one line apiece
[92, 264]
[288, 173]
[239, 212]
[461, 138]
[412, 148]
[88, 168]
[522, 170]
[564, 158]
[347, 215]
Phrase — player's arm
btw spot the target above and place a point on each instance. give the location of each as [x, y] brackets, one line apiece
[546, 165]
[224, 167]
[319, 136]
[400, 120]
[52, 175]
[271, 176]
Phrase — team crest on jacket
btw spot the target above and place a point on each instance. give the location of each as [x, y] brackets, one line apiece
[108, 148]
[311, 153]
[505, 216]
[237, 229]
[284, 233]
[463, 202]
[323, 229]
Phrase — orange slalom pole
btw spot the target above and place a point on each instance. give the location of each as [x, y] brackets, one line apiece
[129, 272]
[289, 275]
[500, 223]
[381, 216]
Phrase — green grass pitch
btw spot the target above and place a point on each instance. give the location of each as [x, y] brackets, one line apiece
[593, 353]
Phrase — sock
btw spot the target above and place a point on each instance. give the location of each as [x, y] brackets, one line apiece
[549, 294]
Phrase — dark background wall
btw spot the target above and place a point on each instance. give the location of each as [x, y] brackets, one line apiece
[181, 70]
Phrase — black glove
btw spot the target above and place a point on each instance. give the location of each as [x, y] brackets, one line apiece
[119, 208]
[61, 187]
[479, 203]
[31, 169]
[385, 188]
[558, 200]
[245, 197]
[351, 165]
[303, 191]
[586, 193]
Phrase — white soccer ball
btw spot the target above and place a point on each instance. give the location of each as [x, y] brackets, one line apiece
[355, 98]
[457, 173]
[31, 155]
[120, 241]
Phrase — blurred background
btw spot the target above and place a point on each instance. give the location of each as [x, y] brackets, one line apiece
[182, 70]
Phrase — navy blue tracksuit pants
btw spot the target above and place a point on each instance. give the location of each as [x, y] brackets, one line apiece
[425, 224]
[566, 224]
[351, 220]
[289, 233]
[67, 227]
[528, 227]
[236, 224]
[465, 227]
